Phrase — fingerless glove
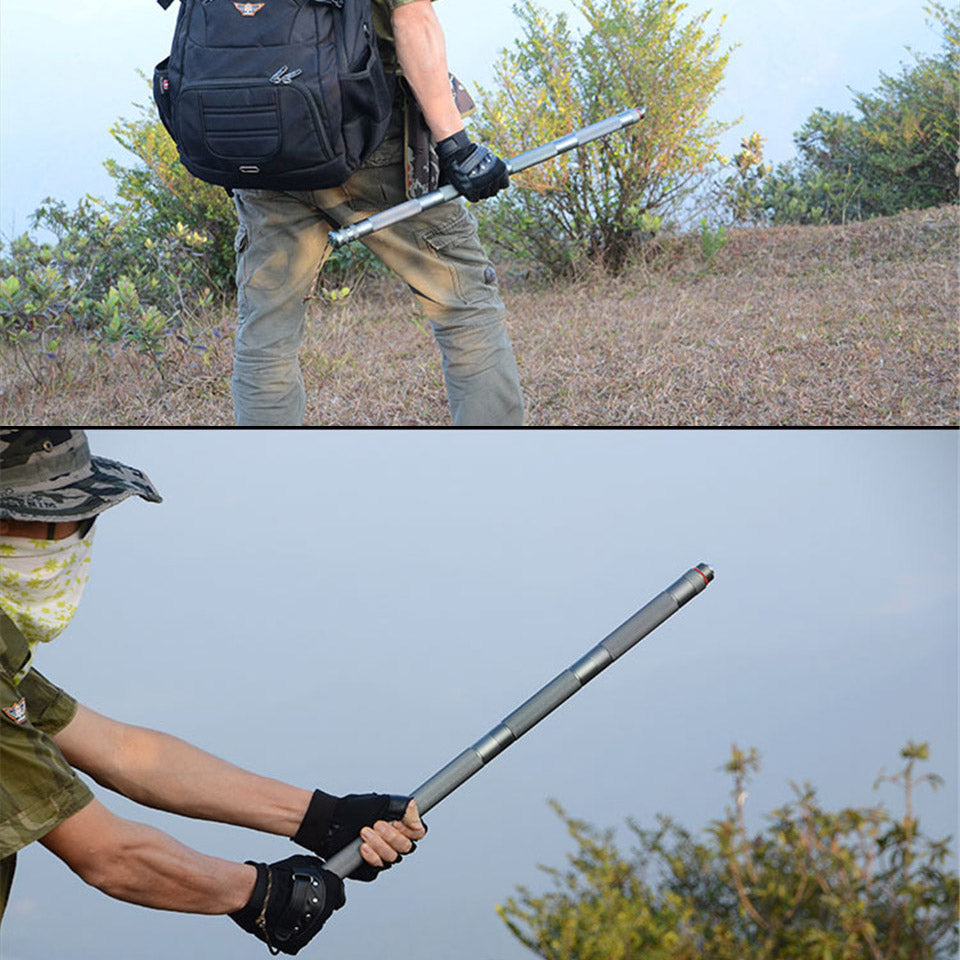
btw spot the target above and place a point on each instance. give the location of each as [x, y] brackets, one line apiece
[291, 901]
[330, 823]
[475, 170]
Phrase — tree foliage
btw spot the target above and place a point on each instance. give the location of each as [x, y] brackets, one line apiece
[592, 203]
[899, 152]
[737, 195]
[135, 270]
[156, 193]
[91, 282]
[814, 884]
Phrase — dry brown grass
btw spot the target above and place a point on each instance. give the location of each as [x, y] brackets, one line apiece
[852, 326]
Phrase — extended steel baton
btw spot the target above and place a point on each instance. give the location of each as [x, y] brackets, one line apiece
[545, 701]
[410, 208]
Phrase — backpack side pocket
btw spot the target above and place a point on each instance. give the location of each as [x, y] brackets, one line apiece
[367, 97]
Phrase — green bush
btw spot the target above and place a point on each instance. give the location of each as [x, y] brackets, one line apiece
[898, 153]
[594, 203]
[155, 262]
[133, 270]
[737, 194]
[814, 884]
[96, 280]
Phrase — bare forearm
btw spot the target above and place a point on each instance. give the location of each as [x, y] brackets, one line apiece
[170, 774]
[422, 55]
[167, 773]
[173, 775]
[139, 864]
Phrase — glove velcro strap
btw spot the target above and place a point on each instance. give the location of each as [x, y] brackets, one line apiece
[303, 908]
[450, 146]
[291, 901]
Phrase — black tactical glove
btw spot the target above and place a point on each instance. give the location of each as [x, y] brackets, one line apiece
[291, 901]
[330, 823]
[475, 170]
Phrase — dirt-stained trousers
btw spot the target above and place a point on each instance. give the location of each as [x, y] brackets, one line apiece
[280, 240]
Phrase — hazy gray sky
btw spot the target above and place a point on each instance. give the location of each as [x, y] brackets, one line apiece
[68, 70]
[351, 609]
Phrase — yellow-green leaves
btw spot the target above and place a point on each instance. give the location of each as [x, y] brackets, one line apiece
[596, 203]
[853, 884]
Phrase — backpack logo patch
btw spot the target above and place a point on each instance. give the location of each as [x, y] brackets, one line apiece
[249, 9]
[17, 712]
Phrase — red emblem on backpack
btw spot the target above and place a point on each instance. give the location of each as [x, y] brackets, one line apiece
[249, 9]
[17, 712]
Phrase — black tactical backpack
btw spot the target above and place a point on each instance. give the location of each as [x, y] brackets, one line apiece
[276, 95]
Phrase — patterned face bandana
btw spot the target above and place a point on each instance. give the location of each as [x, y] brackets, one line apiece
[41, 582]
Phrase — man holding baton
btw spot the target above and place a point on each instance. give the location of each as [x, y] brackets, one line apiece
[51, 493]
[283, 236]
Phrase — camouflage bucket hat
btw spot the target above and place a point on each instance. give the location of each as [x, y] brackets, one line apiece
[49, 475]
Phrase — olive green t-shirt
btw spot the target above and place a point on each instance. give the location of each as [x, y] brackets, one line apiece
[38, 788]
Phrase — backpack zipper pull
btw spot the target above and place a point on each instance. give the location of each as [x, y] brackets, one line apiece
[281, 76]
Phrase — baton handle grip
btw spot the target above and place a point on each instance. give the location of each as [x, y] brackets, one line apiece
[545, 701]
[410, 208]
[387, 218]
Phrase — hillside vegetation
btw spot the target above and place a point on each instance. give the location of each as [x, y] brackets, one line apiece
[794, 325]
[859, 883]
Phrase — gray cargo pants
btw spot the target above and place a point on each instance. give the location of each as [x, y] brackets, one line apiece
[437, 253]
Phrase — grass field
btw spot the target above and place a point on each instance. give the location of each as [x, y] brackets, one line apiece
[853, 325]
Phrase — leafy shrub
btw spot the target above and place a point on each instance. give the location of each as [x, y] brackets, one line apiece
[738, 195]
[899, 153]
[711, 240]
[593, 204]
[93, 282]
[150, 264]
[851, 884]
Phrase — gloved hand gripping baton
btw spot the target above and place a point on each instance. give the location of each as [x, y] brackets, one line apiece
[527, 715]
[403, 211]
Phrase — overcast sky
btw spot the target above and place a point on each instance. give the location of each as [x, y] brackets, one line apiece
[68, 70]
[351, 609]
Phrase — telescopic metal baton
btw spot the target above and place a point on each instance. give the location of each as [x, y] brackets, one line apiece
[410, 208]
[528, 714]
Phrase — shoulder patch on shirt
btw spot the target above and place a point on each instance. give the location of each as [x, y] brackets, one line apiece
[17, 712]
